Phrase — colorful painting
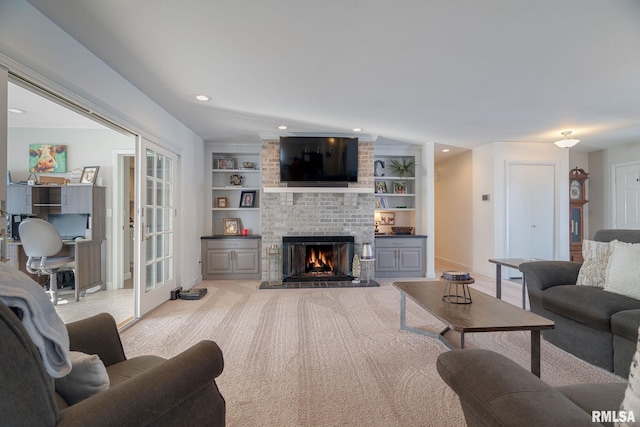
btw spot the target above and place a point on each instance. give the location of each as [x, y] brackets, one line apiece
[47, 158]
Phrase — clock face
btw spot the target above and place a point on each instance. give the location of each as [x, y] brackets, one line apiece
[575, 189]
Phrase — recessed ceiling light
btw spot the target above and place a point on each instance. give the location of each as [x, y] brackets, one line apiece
[16, 110]
[446, 150]
[282, 127]
[202, 97]
[358, 129]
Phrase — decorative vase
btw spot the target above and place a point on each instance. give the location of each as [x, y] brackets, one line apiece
[367, 251]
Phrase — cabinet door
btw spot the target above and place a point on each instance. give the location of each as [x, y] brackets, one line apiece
[411, 259]
[386, 259]
[19, 199]
[219, 262]
[246, 261]
[77, 199]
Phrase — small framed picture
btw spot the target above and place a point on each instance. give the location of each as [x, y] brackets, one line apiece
[226, 163]
[248, 199]
[384, 204]
[89, 175]
[387, 218]
[222, 202]
[400, 187]
[381, 187]
[232, 226]
[378, 203]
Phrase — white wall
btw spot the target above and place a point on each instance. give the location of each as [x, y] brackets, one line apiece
[33, 46]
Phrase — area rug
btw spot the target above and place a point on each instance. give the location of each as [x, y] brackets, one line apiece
[320, 284]
[330, 357]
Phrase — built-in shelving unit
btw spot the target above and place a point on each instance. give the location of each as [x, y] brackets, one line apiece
[240, 200]
[395, 195]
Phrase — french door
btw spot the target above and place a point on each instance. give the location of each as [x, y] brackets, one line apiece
[155, 235]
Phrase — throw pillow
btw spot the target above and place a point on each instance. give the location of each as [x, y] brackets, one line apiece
[594, 265]
[623, 272]
[88, 376]
[631, 401]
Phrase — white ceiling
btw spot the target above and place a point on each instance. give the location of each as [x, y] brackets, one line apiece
[459, 73]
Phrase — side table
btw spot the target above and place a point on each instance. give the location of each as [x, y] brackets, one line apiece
[462, 295]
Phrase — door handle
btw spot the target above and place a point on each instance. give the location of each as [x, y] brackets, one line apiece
[145, 232]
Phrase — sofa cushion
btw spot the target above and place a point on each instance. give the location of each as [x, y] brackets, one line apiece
[88, 376]
[594, 266]
[625, 323]
[585, 304]
[623, 271]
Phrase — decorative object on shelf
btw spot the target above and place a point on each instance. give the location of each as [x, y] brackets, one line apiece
[89, 175]
[248, 165]
[355, 269]
[387, 218]
[376, 221]
[236, 179]
[226, 163]
[232, 226]
[375, 168]
[402, 230]
[248, 199]
[381, 187]
[222, 202]
[32, 179]
[403, 168]
[400, 187]
[47, 158]
[75, 175]
[367, 251]
[456, 287]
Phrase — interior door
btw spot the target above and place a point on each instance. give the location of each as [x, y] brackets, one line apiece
[530, 212]
[627, 196]
[155, 235]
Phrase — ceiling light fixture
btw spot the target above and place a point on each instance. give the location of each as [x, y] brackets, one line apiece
[16, 110]
[567, 141]
[282, 127]
[446, 150]
[202, 97]
[358, 129]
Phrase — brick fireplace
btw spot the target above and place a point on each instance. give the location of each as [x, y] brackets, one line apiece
[317, 258]
[314, 213]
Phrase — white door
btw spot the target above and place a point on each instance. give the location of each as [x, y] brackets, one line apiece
[627, 196]
[530, 212]
[155, 237]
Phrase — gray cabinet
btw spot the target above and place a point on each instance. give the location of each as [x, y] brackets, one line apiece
[400, 256]
[231, 258]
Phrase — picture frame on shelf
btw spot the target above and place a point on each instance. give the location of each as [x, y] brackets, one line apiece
[384, 203]
[89, 175]
[381, 187]
[226, 163]
[248, 199]
[377, 203]
[232, 226]
[222, 202]
[387, 218]
[400, 187]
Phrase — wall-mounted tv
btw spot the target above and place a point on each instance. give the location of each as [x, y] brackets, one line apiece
[318, 160]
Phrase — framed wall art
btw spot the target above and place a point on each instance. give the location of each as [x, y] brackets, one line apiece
[248, 199]
[47, 158]
[222, 202]
[226, 163]
[89, 175]
[232, 226]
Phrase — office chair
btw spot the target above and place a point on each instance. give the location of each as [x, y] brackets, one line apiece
[41, 241]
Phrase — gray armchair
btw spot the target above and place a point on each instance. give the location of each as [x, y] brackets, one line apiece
[496, 391]
[144, 390]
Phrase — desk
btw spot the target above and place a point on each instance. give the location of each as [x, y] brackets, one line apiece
[88, 258]
[512, 263]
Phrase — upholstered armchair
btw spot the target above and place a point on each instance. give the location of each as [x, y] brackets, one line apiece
[144, 390]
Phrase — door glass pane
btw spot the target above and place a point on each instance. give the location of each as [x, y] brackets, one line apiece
[159, 220]
[150, 249]
[151, 200]
[150, 163]
[151, 278]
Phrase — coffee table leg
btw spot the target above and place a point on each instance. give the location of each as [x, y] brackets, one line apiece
[403, 325]
[498, 281]
[535, 352]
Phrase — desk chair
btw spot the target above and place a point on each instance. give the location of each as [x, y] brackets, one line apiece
[41, 242]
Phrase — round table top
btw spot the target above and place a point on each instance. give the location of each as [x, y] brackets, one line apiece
[462, 282]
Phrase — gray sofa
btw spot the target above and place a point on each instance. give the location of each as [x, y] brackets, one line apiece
[496, 391]
[145, 390]
[595, 325]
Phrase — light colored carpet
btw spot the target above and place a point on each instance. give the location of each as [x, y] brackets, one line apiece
[329, 357]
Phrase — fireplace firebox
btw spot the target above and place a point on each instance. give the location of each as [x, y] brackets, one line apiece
[317, 258]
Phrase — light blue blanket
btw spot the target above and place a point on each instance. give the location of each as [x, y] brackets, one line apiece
[45, 327]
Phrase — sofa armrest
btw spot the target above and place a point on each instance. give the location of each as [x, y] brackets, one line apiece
[97, 335]
[147, 396]
[494, 390]
[545, 274]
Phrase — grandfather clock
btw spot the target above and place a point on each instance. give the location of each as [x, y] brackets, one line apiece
[577, 200]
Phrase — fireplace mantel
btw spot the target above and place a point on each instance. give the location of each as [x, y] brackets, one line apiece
[318, 190]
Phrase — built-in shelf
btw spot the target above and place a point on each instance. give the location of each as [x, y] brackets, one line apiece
[317, 190]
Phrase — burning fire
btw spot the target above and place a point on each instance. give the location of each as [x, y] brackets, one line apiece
[318, 261]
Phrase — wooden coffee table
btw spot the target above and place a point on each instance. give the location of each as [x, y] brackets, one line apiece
[485, 314]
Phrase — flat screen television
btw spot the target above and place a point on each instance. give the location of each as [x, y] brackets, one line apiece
[318, 160]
